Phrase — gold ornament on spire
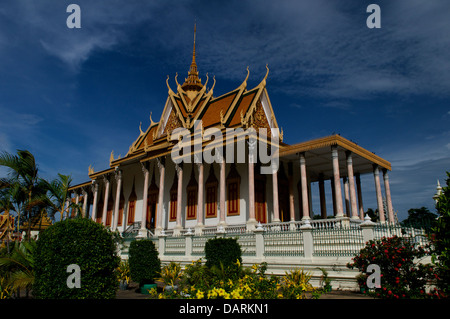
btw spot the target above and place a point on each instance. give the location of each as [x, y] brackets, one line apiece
[192, 82]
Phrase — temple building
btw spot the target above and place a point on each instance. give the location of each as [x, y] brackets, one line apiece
[148, 192]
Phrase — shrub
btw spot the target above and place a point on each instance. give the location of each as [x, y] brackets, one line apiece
[123, 271]
[170, 274]
[79, 241]
[200, 282]
[145, 264]
[222, 252]
[296, 285]
[402, 276]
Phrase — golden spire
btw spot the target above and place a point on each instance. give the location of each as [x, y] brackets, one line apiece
[192, 82]
[193, 52]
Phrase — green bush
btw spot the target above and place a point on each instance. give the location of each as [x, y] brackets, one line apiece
[145, 264]
[222, 252]
[79, 241]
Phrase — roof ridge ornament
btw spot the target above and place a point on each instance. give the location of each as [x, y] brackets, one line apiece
[267, 74]
[151, 120]
[248, 73]
[168, 86]
[192, 82]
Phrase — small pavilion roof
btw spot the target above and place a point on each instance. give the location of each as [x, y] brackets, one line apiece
[319, 160]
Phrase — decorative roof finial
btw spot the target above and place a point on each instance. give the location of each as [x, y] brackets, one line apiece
[192, 82]
[193, 52]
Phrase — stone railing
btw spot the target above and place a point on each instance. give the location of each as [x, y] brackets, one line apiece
[306, 240]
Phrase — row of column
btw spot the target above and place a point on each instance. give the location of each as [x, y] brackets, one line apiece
[354, 201]
[353, 195]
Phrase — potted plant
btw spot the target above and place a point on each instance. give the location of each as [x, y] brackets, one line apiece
[170, 275]
[325, 280]
[123, 274]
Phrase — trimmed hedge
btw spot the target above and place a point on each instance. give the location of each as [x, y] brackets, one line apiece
[145, 264]
[225, 251]
[79, 241]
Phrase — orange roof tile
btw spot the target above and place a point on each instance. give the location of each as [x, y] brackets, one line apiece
[211, 115]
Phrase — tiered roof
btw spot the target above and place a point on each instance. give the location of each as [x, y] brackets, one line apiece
[193, 102]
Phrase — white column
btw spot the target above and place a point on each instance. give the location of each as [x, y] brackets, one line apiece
[222, 192]
[178, 226]
[200, 201]
[143, 229]
[346, 196]
[105, 201]
[95, 200]
[276, 211]
[85, 202]
[66, 210]
[304, 187]
[118, 175]
[351, 181]
[360, 201]
[160, 217]
[251, 222]
[337, 182]
[387, 189]
[376, 174]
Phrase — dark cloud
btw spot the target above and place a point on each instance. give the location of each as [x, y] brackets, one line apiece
[84, 91]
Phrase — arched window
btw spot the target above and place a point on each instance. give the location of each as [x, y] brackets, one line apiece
[260, 195]
[109, 210]
[173, 199]
[152, 204]
[131, 206]
[233, 192]
[211, 194]
[192, 197]
[121, 205]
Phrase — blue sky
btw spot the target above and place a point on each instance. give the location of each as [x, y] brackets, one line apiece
[70, 96]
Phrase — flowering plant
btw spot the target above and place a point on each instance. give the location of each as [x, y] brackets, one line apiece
[402, 274]
[202, 282]
[170, 274]
[123, 271]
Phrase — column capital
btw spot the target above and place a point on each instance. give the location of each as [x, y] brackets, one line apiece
[105, 178]
[252, 150]
[179, 168]
[302, 157]
[144, 167]
[197, 159]
[118, 174]
[334, 151]
[94, 186]
[376, 169]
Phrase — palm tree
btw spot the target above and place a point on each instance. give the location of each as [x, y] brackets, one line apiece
[6, 205]
[58, 194]
[13, 198]
[29, 189]
[20, 265]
